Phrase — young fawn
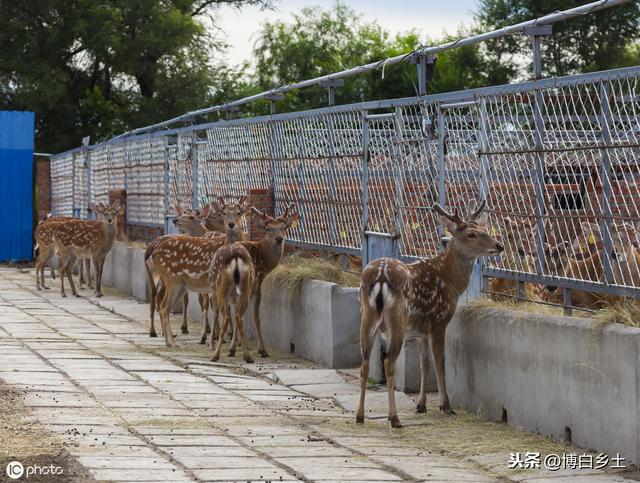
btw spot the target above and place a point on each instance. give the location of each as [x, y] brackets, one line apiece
[182, 263]
[83, 239]
[419, 299]
[232, 265]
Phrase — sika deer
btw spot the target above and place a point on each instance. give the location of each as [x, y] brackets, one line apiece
[419, 299]
[265, 256]
[182, 263]
[232, 278]
[81, 239]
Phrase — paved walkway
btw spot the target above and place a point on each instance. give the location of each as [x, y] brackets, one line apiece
[135, 411]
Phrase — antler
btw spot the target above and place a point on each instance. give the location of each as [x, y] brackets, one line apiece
[455, 217]
[479, 209]
[286, 211]
[242, 201]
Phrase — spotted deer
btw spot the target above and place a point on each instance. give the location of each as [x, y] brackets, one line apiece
[418, 300]
[189, 222]
[265, 256]
[182, 263]
[83, 239]
[232, 278]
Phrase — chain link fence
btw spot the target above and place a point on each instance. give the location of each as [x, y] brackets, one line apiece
[559, 156]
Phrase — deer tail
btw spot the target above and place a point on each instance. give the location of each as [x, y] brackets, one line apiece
[237, 267]
[381, 295]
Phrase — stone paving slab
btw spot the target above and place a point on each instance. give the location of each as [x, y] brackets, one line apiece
[132, 410]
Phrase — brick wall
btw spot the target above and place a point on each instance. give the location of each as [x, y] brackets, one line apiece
[263, 200]
[143, 232]
[43, 183]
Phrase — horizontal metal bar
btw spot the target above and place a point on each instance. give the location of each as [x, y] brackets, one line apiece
[324, 247]
[455, 105]
[379, 117]
[562, 282]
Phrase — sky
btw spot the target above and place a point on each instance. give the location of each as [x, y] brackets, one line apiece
[432, 17]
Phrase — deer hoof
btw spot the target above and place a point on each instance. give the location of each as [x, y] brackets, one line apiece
[395, 422]
[38, 288]
[447, 410]
[62, 294]
[359, 419]
[232, 353]
[203, 340]
[215, 358]
[421, 408]
[45, 287]
[263, 353]
[248, 359]
[184, 330]
[152, 333]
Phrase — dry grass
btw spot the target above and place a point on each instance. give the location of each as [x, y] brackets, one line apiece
[625, 312]
[295, 269]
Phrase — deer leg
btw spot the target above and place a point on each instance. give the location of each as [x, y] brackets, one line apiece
[214, 315]
[64, 261]
[246, 355]
[185, 305]
[45, 260]
[160, 294]
[234, 338]
[204, 306]
[395, 344]
[256, 322]
[424, 372]
[81, 281]
[98, 262]
[366, 341]
[70, 264]
[87, 265]
[39, 268]
[225, 321]
[436, 341]
[171, 296]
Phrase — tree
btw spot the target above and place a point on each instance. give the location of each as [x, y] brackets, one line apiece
[98, 68]
[596, 41]
[318, 42]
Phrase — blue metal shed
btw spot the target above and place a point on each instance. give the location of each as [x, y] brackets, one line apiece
[16, 185]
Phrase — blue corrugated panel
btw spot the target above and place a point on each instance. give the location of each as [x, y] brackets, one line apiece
[16, 185]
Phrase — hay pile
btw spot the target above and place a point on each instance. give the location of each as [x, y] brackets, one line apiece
[625, 312]
[295, 269]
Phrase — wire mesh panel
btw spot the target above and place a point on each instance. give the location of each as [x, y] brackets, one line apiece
[62, 184]
[80, 188]
[145, 181]
[108, 171]
[417, 147]
[180, 156]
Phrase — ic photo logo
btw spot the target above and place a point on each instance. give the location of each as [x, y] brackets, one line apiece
[15, 470]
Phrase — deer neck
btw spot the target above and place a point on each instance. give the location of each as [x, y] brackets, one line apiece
[197, 230]
[456, 269]
[110, 230]
[271, 254]
[233, 236]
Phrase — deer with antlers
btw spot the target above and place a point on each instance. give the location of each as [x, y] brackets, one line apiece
[86, 239]
[182, 263]
[236, 274]
[418, 300]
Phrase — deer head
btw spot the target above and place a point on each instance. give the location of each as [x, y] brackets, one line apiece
[623, 238]
[108, 214]
[276, 228]
[231, 216]
[470, 237]
[517, 236]
[189, 221]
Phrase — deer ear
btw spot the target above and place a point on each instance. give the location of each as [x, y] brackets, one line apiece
[97, 207]
[590, 230]
[178, 210]
[483, 220]
[449, 225]
[205, 211]
[291, 219]
[116, 205]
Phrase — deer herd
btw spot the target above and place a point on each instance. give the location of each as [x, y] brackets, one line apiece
[213, 258]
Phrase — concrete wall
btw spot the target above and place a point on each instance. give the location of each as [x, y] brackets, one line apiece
[550, 374]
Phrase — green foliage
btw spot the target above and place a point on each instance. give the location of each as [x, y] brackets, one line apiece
[98, 68]
[596, 41]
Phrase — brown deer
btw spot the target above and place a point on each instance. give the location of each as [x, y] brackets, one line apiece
[517, 238]
[82, 239]
[265, 256]
[182, 263]
[189, 222]
[419, 299]
[232, 278]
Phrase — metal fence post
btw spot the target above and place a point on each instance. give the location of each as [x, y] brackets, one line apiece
[73, 187]
[605, 174]
[304, 220]
[333, 195]
[165, 188]
[365, 185]
[398, 172]
[195, 191]
[442, 175]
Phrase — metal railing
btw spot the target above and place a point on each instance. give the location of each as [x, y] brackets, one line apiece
[562, 154]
